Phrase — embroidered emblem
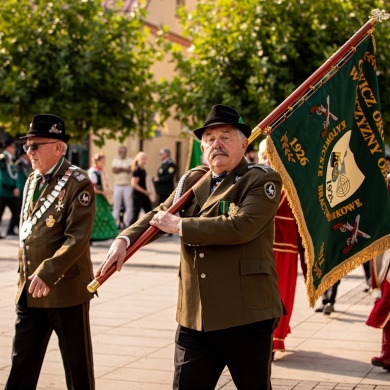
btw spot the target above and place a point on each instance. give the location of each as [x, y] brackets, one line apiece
[233, 210]
[61, 195]
[59, 205]
[50, 221]
[270, 189]
[84, 198]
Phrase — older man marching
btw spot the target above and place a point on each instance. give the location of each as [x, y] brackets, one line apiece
[228, 303]
[54, 261]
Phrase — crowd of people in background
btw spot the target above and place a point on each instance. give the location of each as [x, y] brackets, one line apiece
[15, 167]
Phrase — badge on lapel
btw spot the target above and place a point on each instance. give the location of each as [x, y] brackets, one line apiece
[233, 210]
[228, 208]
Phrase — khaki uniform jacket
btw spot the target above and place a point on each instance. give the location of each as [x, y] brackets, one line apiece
[57, 250]
[227, 273]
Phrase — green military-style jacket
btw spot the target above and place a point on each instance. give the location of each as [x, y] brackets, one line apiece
[227, 274]
[23, 170]
[57, 250]
[166, 176]
[8, 176]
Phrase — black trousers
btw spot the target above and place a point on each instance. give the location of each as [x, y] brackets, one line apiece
[330, 294]
[33, 329]
[14, 204]
[200, 357]
[140, 201]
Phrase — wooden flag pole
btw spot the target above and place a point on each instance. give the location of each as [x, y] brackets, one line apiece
[265, 126]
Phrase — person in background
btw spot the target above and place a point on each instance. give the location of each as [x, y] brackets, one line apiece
[121, 169]
[328, 300]
[367, 266]
[251, 154]
[23, 170]
[54, 261]
[104, 226]
[228, 302]
[164, 181]
[286, 246]
[141, 200]
[9, 191]
[380, 314]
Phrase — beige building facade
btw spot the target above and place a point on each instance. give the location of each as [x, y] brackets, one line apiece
[160, 13]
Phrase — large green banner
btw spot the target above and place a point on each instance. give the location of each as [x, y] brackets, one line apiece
[331, 155]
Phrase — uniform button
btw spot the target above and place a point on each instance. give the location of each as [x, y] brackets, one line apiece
[28, 262]
[201, 255]
[27, 246]
[203, 276]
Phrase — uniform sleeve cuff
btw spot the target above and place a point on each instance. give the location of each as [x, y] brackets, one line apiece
[125, 238]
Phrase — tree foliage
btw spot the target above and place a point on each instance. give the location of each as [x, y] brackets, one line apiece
[252, 54]
[73, 58]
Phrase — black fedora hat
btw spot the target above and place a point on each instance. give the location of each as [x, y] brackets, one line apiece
[47, 126]
[223, 115]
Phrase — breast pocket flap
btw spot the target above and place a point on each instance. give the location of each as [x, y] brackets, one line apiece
[255, 266]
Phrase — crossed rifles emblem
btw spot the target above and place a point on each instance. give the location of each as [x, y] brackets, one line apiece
[321, 110]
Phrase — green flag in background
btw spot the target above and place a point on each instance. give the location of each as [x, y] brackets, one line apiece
[195, 155]
[331, 155]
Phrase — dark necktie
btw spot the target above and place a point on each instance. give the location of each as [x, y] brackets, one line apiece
[42, 179]
[216, 180]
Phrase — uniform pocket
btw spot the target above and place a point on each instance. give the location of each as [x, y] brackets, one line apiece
[256, 283]
[72, 272]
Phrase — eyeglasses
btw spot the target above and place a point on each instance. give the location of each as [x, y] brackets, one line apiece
[35, 145]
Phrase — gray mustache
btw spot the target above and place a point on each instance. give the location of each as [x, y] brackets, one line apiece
[219, 151]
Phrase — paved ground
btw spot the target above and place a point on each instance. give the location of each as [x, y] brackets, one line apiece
[133, 326]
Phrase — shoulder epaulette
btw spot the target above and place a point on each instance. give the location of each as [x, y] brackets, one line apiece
[264, 167]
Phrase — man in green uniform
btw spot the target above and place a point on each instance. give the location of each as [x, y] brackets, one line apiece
[9, 191]
[23, 170]
[164, 180]
[54, 261]
[228, 300]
